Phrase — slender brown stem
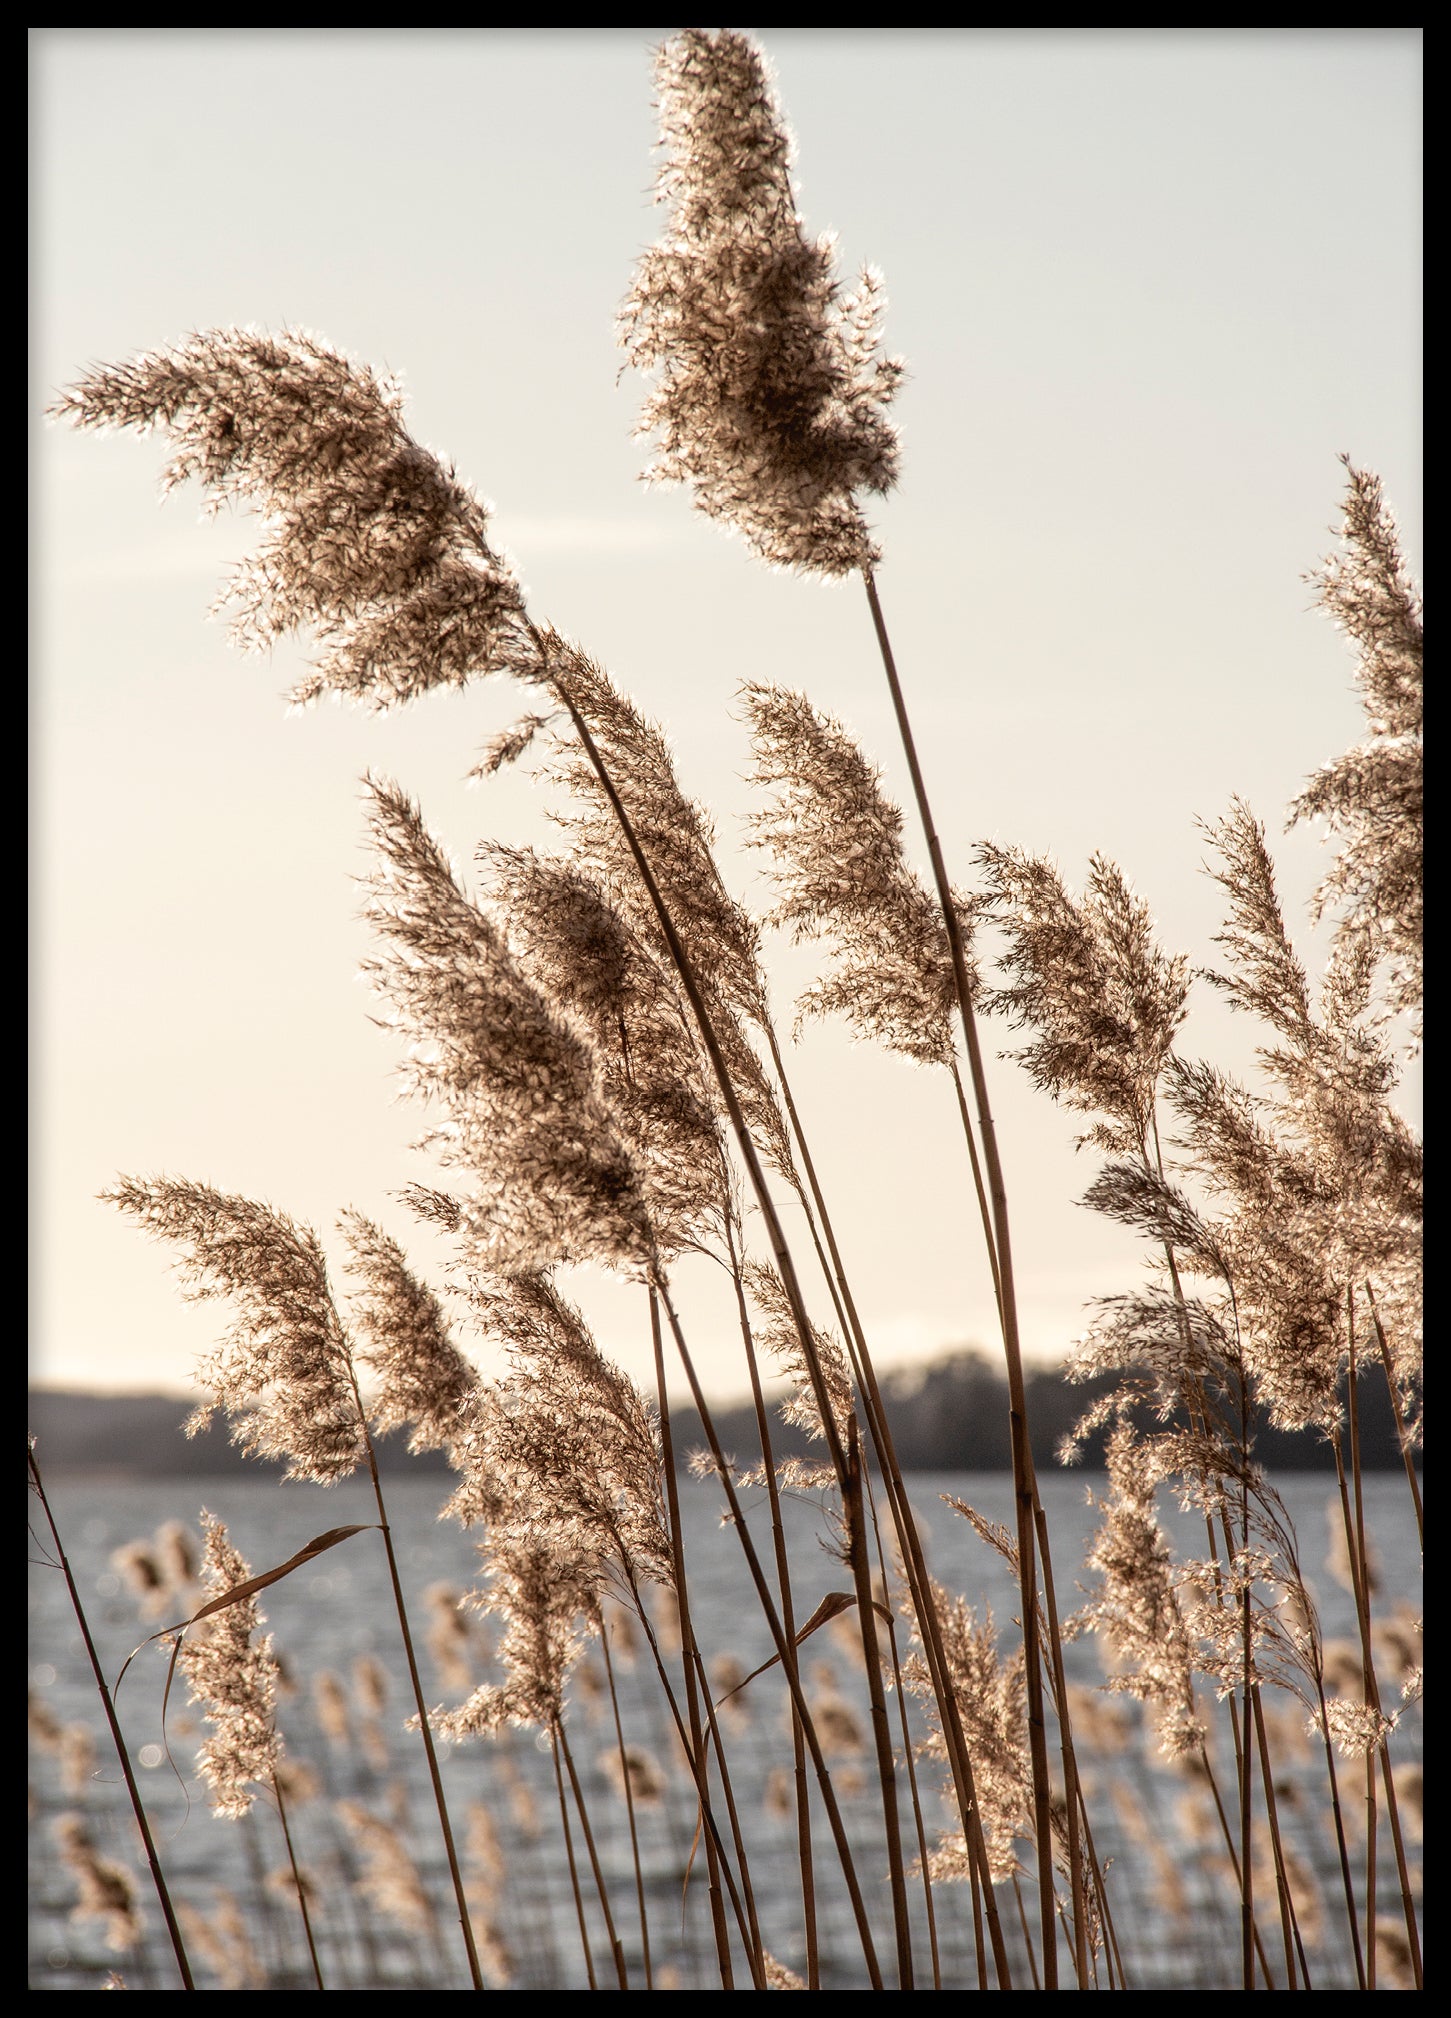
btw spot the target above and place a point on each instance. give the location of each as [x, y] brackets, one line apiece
[1289, 1922]
[561, 1738]
[900, 1690]
[914, 1562]
[1024, 1482]
[787, 1270]
[1352, 1913]
[788, 1620]
[695, 1744]
[298, 1884]
[625, 1778]
[1359, 1577]
[113, 1723]
[1228, 1834]
[783, 1649]
[1246, 1786]
[584, 1941]
[424, 1726]
[1027, 1937]
[1072, 1788]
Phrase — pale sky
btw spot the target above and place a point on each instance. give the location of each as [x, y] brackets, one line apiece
[1148, 284]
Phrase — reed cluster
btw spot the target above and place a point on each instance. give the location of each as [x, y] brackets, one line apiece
[590, 1033]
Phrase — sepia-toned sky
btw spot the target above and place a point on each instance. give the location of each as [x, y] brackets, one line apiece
[1148, 284]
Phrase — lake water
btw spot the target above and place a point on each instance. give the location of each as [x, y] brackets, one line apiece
[1175, 1913]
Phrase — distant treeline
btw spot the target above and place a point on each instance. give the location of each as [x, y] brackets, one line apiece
[948, 1415]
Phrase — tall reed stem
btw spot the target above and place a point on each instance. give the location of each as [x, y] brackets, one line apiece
[561, 1739]
[1024, 1481]
[1354, 1525]
[783, 1649]
[297, 1882]
[113, 1723]
[425, 1730]
[584, 1941]
[788, 1621]
[625, 1778]
[787, 1270]
[695, 1745]
[914, 1562]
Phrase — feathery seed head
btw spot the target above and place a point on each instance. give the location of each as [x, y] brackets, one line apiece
[371, 543]
[107, 1889]
[837, 858]
[1374, 794]
[566, 1446]
[525, 1113]
[772, 394]
[424, 1380]
[778, 1335]
[990, 1693]
[588, 961]
[1088, 977]
[1136, 1606]
[233, 1675]
[283, 1372]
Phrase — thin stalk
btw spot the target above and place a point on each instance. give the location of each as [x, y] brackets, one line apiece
[1289, 1920]
[983, 1208]
[787, 1270]
[1360, 1558]
[297, 1881]
[1352, 1912]
[1027, 1937]
[1072, 1790]
[773, 1621]
[745, 1912]
[153, 1861]
[1402, 1437]
[561, 1738]
[423, 1723]
[695, 1749]
[1024, 1482]
[788, 1621]
[1200, 1418]
[629, 1798]
[900, 1691]
[1234, 1862]
[1372, 1816]
[589, 1960]
[914, 1562]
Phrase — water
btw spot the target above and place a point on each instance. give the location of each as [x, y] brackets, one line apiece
[1176, 1913]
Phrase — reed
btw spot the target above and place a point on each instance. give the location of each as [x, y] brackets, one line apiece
[591, 1035]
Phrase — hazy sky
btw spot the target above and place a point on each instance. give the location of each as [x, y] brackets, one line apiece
[1148, 285]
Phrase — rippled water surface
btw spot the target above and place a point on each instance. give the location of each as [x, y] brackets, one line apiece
[1176, 1914]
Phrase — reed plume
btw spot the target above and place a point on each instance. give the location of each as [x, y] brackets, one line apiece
[772, 392]
[424, 1382]
[283, 1371]
[565, 1449]
[989, 1690]
[1373, 795]
[370, 542]
[1136, 1605]
[231, 1672]
[525, 1117]
[590, 963]
[106, 1889]
[837, 859]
